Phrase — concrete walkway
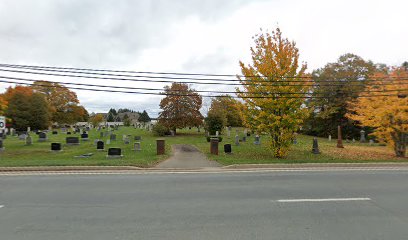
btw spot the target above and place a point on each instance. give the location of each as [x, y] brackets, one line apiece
[187, 156]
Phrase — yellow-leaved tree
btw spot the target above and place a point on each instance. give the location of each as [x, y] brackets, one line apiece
[384, 107]
[274, 88]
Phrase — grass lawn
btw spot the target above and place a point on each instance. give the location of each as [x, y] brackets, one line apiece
[39, 154]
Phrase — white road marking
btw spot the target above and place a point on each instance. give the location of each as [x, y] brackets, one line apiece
[323, 200]
[1, 206]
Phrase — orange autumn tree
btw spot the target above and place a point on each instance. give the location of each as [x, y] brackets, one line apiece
[3, 105]
[274, 90]
[386, 108]
[181, 107]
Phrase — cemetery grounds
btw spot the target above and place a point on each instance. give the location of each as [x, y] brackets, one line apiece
[17, 154]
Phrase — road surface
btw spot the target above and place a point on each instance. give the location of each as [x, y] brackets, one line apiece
[275, 205]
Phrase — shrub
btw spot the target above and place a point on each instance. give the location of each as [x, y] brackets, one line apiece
[214, 123]
[159, 130]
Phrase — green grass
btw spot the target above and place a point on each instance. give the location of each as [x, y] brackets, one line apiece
[39, 154]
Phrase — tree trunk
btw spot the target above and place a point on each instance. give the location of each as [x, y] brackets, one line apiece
[400, 145]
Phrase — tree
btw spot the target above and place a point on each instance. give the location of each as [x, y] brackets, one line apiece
[96, 119]
[39, 112]
[19, 111]
[63, 102]
[274, 70]
[214, 122]
[27, 110]
[227, 107]
[144, 117]
[181, 107]
[3, 105]
[386, 110]
[110, 117]
[335, 85]
[126, 120]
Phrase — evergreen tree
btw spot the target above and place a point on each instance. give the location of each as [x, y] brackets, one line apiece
[110, 117]
[144, 117]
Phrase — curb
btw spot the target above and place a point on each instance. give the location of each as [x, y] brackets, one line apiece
[234, 167]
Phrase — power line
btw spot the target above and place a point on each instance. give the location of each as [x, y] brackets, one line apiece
[92, 71]
[160, 89]
[278, 83]
[170, 94]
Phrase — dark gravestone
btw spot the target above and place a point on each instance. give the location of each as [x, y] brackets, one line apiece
[227, 148]
[2, 135]
[138, 138]
[315, 148]
[56, 147]
[136, 146]
[113, 137]
[244, 138]
[72, 140]
[114, 153]
[1, 145]
[84, 137]
[248, 134]
[100, 145]
[101, 134]
[214, 146]
[160, 146]
[68, 133]
[54, 132]
[42, 137]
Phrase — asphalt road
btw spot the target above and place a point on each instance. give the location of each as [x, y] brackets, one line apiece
[329, 205]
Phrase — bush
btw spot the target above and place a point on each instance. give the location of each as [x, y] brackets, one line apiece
[159, 130]
[214, 123]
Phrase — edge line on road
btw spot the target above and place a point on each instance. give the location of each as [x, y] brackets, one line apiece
[323, 200]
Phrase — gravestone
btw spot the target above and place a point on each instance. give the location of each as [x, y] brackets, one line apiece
[42, 137]
[295, 141]
[84, 137]
[138, 138]
[28, 129]
[22, 136]
[236, 140]
[329, 138]
[2, 135]
[126, 140]
[172, 133]
[248, 134]
[339, 138]
[362, 136]
[54, 132]
[68, 133]
[101, 135]
[229, 132]
[315, 148]
[353, 140]
[115, 153]
[63, 129]
[257, 140]
[124, 137]
[72, 140]
[371, 142]
[56, 147]
[217, 133]
[245, 132]
[137, 146]
[100, 145]
[28, 140]
[227, 148]
[214, 146]
[108, 141]
[160, 146]
[113, 137]
[244, 138]
[1, 145]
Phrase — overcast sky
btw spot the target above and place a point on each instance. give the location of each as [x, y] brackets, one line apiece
[206, 36]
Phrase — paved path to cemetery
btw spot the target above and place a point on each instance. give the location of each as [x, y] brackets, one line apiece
[188, 157]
